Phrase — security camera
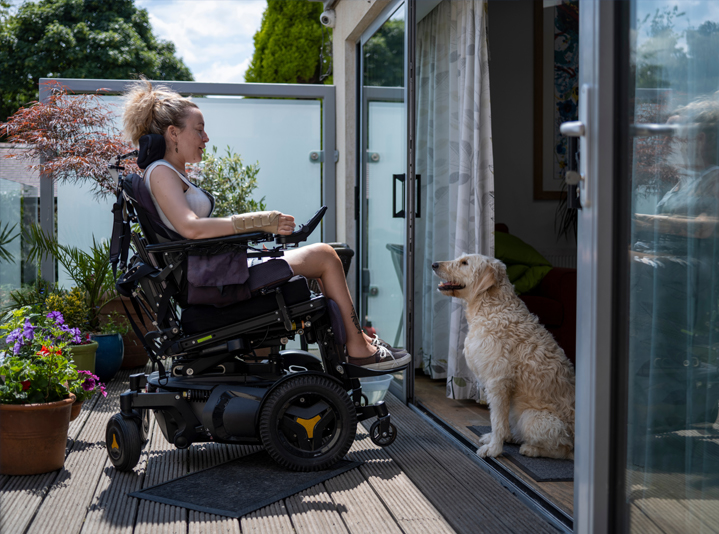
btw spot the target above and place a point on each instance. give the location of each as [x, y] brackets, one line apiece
[327, 18]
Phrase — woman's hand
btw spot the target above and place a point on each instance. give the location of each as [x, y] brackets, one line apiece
[286, 225]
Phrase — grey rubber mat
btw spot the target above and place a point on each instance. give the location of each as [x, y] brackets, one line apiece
[540, 469]
[239, 487]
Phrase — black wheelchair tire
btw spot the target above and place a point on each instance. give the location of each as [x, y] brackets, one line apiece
[382, 441]
[145, 423]
[123, 442]
[336, 438]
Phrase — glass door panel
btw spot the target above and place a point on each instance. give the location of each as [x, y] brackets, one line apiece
[672, 433]
[383, 133]
[18, 210]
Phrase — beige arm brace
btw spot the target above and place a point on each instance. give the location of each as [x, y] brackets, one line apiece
[260, 221]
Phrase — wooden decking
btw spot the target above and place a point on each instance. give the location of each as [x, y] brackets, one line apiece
[422, 483]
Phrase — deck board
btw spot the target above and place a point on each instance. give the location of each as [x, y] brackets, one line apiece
[408, 487]
[467, 496]
[314, 512]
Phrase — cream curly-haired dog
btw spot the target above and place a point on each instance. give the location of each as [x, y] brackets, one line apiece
[528, 379]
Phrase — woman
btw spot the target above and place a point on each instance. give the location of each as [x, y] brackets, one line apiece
[185, 208]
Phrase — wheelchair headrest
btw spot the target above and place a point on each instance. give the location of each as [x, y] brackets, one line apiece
[153, 227]
[152, 148]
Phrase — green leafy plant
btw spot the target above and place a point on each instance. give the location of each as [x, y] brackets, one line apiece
[7, 237]
[73, 307]
[90, 270]
[79, 39]
[113, 323]
[34, 364]
[33, 295]
[230, 181]
[288, 44]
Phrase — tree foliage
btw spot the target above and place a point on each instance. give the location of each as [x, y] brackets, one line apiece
[230, 181]
[69, 137]
[287, 45]
[79, 39]
[384, 56]
[671, 58]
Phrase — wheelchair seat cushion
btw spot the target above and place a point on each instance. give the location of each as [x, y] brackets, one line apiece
[198, 319]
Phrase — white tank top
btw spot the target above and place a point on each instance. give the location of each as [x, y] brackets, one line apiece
[196, 198]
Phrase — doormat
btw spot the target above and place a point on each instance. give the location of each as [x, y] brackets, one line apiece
[238, 487]
[540, 469]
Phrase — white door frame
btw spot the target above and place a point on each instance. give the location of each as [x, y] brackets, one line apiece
[594, 465]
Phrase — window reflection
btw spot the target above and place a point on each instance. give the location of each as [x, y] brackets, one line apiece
[673, 434]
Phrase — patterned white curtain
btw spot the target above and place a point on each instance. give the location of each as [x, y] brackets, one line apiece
[454, 160]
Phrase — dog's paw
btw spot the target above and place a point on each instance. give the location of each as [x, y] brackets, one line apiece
[485, 438]
[491, 449]
[528, 450]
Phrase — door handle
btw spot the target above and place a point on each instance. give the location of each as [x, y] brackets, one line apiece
[399, 214]
[581, 129]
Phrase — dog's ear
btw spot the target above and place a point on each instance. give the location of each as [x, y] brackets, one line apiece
[486, 278]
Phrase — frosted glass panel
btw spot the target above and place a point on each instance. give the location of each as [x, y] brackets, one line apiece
[280, 134]
[385, 234]
[10, 213]
[81, 216]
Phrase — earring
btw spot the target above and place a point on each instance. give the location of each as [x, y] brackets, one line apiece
[176, 148]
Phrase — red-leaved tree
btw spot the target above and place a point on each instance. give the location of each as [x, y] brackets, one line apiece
[70, 138]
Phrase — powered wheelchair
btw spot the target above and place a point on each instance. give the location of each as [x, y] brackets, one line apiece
[210, 384]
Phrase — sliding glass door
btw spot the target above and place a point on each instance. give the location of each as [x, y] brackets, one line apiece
[383, 182]
[647, 454]
[672, 238]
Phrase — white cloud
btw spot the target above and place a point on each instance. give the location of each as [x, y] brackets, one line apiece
[214, 38]
[223, 72]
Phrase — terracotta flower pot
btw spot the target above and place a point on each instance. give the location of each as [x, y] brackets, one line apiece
[33, 437]
[84, 356]
[76, 407]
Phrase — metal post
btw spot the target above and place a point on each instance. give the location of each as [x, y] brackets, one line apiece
[47, 203]
[410, 186]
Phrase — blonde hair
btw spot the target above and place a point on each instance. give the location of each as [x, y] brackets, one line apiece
[151, 109]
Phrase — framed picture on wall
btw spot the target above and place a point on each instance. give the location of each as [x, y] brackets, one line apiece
[556, 91]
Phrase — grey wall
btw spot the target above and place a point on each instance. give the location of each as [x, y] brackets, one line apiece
[510, 30]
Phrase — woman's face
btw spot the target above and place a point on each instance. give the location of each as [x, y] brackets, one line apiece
[191, 140]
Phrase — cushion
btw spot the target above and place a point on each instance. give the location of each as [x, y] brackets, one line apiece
[525, 266]
[197, 319]
[550, 312]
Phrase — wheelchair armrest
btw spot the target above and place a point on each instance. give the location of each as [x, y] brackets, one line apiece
[185, 244]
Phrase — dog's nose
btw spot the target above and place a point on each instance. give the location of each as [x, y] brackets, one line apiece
[435, 265]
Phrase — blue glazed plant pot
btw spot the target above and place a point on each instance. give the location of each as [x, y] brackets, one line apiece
[108, 358]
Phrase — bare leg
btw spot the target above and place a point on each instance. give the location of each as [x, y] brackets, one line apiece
[321, 261]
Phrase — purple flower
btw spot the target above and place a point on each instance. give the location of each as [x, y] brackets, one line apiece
[77, 338]
[88, 384]
[13, 336]
[28, 330]
[16, 348]
[57, 317]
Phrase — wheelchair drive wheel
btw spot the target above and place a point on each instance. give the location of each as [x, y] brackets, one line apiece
[308, 423]
[379, 439]
[123, 442]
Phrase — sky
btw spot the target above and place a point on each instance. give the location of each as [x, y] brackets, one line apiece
[213, 37]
